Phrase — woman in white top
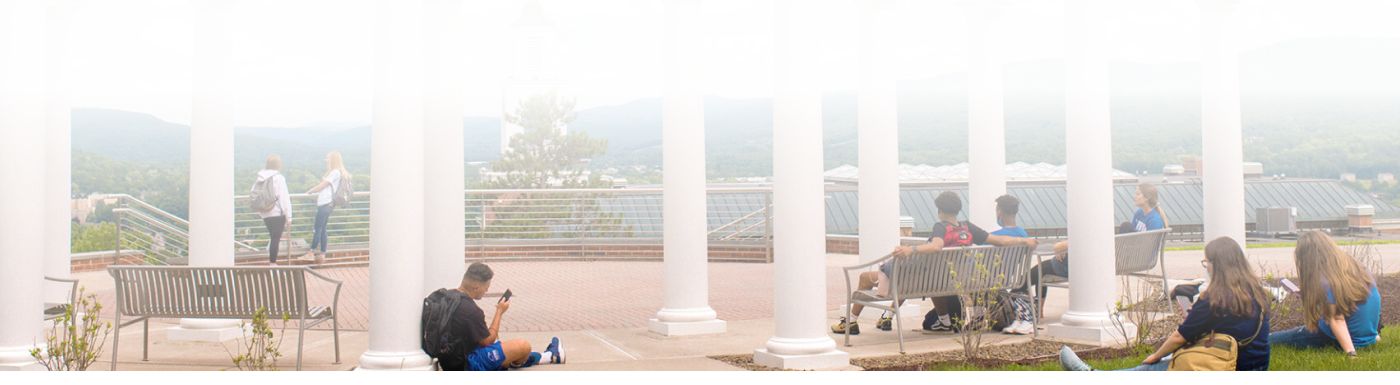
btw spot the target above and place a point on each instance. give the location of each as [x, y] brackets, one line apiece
[279, 217]
[325, 203]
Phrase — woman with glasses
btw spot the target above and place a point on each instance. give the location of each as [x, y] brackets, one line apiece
[1236, 305]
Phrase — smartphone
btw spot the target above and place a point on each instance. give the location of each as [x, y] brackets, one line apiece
[504, 297]
[1290, 286]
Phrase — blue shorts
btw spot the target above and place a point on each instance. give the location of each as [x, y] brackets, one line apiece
[487, 358]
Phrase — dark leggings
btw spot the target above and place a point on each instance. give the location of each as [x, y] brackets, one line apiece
[275, 225]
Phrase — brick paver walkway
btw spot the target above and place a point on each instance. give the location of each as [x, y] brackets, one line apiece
[573, 295]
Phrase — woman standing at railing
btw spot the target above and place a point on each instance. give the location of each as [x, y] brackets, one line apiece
[279, 217]
[325, 203]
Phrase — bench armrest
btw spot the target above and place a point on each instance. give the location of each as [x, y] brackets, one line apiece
[868, 264]
[72, 293]
[335, 299]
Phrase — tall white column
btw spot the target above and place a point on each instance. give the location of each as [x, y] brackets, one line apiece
[58, 176]
[396, 255]
[211, 157]
[1090, 187]
[986, 133]
[1222, 138]
[444, 211]
[879, 133]
[800, 339]
[685, 243]
[22, 158]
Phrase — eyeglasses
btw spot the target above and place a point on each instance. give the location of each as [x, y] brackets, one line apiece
[1205, 263]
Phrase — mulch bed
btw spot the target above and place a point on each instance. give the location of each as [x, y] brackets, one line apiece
[1039, 352]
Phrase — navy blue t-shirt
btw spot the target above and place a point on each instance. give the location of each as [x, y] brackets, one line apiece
[1201, 321]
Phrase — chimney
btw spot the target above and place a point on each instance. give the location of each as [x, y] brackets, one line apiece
[1359, 218]
[906, 226]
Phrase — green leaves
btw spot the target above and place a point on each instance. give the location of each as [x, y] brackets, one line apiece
[74, 343]
[260, 351]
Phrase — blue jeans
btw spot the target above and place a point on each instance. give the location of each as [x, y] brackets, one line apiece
[1301, 338]
[1161, 366]
[318, 236]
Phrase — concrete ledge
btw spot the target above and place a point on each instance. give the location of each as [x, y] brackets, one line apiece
[686, 328]
[832, 360]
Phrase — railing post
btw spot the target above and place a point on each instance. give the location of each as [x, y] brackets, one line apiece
[116, 260]
[768, 224]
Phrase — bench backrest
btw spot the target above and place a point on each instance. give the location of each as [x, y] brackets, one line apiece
[961, 270]
[210, 292]
[1136, 252]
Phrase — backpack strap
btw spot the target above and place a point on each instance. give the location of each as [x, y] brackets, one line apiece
[1256, 328]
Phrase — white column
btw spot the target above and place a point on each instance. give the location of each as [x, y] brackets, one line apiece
[444, 245]
[986, 134]
[22, 158]
[211, 157]
[685, 243]
[1222, 140]
[800, 339]
[58, 181]
[396, 254]
[1090, 187]
[878, 130]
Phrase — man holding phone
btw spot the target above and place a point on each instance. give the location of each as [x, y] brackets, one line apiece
[489, 353]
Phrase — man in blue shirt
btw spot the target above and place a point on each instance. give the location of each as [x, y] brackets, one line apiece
[1007, 207]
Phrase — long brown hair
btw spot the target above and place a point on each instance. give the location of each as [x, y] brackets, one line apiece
[1234, 288]
[1318, 258]
[1149, 191]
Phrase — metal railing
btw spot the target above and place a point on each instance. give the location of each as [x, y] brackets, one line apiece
[584, 219]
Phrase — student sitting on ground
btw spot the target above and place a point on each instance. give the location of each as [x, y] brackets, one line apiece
[1341, 303]
[948, 232]
[487, 353]
[1235, 304]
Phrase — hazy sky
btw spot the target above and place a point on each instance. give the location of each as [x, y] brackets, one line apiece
[309, 61]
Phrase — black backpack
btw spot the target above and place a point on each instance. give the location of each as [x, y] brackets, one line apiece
[438, 340]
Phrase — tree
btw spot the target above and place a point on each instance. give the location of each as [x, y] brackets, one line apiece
[543, 152]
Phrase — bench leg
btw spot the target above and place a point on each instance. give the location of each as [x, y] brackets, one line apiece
[145, 339]
[335, 330]
[117, 338]
[301, 336]
[899, 325]
[848, 323]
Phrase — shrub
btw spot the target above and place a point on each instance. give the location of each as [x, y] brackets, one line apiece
[75, 342]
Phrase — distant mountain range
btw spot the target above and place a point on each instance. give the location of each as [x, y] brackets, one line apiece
[1311, 108]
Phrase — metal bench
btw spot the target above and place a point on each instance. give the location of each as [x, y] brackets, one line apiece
[54, 310]
[935, 275]
[218, 292]
[1135, 254]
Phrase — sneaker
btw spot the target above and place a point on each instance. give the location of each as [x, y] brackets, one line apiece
[885, 323]
[320, 259]
[308, 255]
[940, 328]
[842, 328]
[556, 351]
[1019, 327]
[1071, 361]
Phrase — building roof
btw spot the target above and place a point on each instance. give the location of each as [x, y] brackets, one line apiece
[1015, 172]
[1183, 204]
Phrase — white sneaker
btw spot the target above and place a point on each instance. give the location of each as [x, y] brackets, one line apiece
[1019, 327]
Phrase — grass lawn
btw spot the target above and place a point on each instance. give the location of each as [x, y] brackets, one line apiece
[1384, 355]
[1281, 244]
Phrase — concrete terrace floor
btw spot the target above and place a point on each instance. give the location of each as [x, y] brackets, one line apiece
[600, 310]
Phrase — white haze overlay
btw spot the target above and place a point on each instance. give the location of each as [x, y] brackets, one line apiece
[310, 62]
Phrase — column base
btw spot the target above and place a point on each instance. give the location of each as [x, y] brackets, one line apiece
[874, 314]
[1104, 335]
[671, 329]
[831, 360]
[205, 330]
[395, 361]
[17, 358]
